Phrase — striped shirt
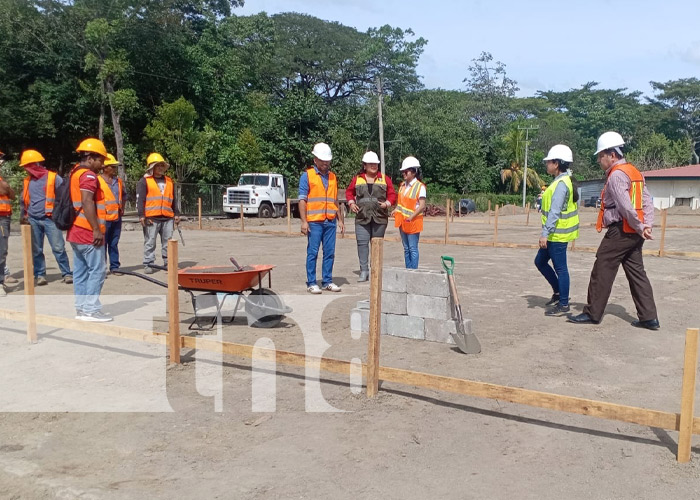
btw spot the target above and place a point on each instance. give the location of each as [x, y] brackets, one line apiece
[618, 204]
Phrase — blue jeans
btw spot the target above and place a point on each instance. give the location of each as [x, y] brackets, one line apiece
[114, 232]
[41, 227]
[320, 233]
[558, 277]
[410, 249]
[88, 277]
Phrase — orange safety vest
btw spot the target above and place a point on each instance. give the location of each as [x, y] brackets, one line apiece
[5, 204]
[321, 203]
[406, 207]
[636, 190]
[50, 193]
[112, 205]
[77, 199]
[159, 204]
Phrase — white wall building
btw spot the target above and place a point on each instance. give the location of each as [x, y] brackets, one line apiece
[674, 187]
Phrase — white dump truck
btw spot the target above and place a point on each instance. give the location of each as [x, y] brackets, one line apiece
[261, 194]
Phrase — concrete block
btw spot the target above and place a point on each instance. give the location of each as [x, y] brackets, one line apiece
[404, 326]
[428, 282]
[363, 304]
[429, 307]
[394, 302]
[359, 320]
[440, 330]
[394, 279]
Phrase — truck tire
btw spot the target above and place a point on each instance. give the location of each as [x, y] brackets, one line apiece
[265, 211]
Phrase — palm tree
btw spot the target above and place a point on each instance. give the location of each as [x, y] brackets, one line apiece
[513, 176]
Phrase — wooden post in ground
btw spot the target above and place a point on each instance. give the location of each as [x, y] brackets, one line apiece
[664, 212]
[495, 226]
[489, 212]
[527, 221]
[447, 220]
[690, 366]
[289, 217]
[242, 221]
[173, 303]
[199, 213]
[513, 209]
[375, 316]
[452, 212]
[29, 282]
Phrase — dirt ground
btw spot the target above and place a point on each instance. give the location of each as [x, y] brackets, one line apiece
[88, 417]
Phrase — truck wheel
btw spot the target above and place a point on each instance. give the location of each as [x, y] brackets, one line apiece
[230, 215]
[265, 211]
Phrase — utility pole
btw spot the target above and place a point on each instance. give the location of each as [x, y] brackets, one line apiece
[527, 143]
[381, 125]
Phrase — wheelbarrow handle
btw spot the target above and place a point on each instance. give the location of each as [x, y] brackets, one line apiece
[449, 269]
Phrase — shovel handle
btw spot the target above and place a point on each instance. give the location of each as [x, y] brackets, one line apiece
[449, 269]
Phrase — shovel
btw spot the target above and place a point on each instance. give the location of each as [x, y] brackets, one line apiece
[467, 342]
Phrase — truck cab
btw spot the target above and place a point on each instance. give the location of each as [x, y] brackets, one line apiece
[261, 194]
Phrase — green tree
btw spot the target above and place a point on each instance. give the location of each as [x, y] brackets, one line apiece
[657, 152]
[682, 99]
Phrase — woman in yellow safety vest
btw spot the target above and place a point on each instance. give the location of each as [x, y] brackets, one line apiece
[559, 226]
[408, 216]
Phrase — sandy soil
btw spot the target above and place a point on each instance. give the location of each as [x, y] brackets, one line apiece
[88, 417]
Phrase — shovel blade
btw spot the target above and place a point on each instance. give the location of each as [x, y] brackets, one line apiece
[468, 343]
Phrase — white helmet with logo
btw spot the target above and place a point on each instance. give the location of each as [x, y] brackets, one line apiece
[610, 140]
[410, 162]
[560, 152]
[322, 151]
[370, 157]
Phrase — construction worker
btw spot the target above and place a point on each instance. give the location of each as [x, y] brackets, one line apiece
[115, 194]
[158, 212]
[7, 194]
[320, 217]
[370, 195]
[560, 225]
[87, 233]
[627, 211]
[408, 216]
[37, 202]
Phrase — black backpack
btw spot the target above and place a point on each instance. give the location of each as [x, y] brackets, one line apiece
[63, 214]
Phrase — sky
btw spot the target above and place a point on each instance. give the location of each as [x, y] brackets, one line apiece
[545, 44]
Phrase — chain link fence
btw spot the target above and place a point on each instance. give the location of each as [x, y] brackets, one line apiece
[187, 194]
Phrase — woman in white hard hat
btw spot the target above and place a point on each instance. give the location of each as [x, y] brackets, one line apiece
[560, 225]
[370, 196]
[408, 216]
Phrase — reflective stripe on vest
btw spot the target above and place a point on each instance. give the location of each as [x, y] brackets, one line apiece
[322, 202]
[111, 203]
[49, 195]
[159, 204]
[77, 200]
[636, 191]
[567, 225]
[5, 204]
[406, 207]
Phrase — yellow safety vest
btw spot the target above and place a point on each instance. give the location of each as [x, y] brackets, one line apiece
[568, 223]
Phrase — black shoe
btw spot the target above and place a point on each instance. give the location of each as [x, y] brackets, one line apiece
[649, 324]
[554, 300]
[558, 310]
[582, 319]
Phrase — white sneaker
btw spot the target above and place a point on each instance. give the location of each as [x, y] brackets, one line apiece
[315, 289]
[96, 317]
[332, 287]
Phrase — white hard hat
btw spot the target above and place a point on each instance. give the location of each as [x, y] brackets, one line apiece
[609, 140]
[409, 162]
[322, 151]
[560, 152]
[370, 157]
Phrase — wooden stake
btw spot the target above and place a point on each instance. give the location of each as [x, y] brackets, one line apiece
[29, 282]
[173, 303]
[447, 220]
[690, 366]
[452, 212]
[495, 226]
[513, 209]
[199, 212]
[242, 222]
[527, 221]
[664, 212]
[289, 217]
[489, 212]
[375, 315]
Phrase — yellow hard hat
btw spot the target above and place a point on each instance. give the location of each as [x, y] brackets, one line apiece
[92, 145]
[111, 160]
[30, 156]
[154, 158]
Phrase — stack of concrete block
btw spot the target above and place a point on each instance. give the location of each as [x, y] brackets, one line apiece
[416, 304]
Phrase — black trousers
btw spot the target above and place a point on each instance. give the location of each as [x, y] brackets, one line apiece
[618, 248]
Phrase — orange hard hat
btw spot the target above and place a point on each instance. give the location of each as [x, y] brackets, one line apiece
[30, 156]
[92, 145]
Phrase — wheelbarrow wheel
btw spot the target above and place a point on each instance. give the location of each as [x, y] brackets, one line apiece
[258, 306]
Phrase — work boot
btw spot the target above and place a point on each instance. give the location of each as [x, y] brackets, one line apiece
[41, 281]
[364, 276]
